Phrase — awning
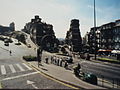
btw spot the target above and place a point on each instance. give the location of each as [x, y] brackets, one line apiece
[115, 51]
[103, 50]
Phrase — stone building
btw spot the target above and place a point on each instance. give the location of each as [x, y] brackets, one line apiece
[42, 34]
[73, 37]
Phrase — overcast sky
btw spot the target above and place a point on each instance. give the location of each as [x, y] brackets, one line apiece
[59, 13]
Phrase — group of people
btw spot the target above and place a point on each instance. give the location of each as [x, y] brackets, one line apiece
[57, 61]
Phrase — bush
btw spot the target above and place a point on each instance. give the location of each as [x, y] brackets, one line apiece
[29, 58]
[109, 60]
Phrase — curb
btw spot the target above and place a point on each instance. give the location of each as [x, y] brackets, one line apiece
[51, 76]
[75, 86]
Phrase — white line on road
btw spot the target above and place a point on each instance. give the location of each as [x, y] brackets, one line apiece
[18, 65]
[10, 78]
[27, 66]
[3, 71]
[12, 68]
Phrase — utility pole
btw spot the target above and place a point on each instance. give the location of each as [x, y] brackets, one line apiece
[95, 27]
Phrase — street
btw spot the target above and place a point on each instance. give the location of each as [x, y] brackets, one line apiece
[16, 74]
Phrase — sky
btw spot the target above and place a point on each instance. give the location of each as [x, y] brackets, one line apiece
[59, 13]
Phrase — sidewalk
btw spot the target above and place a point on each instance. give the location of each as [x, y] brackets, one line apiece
[63, 75]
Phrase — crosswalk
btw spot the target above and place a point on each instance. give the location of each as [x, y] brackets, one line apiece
[14, 68]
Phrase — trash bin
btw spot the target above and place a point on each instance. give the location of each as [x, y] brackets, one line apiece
[90, 78]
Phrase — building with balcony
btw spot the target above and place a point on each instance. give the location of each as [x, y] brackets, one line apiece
[107, 37]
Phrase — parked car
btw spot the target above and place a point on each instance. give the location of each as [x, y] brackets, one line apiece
[69, 59]
[90, 78]
[6, 44]
[29, 46]
[6, 41]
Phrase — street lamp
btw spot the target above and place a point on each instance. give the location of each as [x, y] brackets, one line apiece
[95, 27]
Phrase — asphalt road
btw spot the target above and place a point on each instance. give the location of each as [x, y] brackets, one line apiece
[107, 71]
[15, 74]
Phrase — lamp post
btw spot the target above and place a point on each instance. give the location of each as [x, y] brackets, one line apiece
[95, 27]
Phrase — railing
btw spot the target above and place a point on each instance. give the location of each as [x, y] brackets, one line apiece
[109, 83]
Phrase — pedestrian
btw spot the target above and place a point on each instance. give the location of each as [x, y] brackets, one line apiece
[58, 61]
[66, 65]
[55, 60]
[52, 59]
[46, 59]
[79, 66]
[61, 62]
[88, 57]
[10, 52]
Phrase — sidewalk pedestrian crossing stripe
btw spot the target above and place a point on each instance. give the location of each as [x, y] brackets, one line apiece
[18, 65]
[3, 70]
[27, 66]
[12, 68]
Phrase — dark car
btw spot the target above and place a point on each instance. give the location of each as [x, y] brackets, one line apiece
[29, 46]
[90, 78]
[69, 59]
[6, 44]
[6, 41]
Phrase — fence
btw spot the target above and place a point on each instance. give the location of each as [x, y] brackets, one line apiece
[109, 82]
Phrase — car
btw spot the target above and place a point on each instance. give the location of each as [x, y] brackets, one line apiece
[69, 59]
[6, 44]
[6, 41]
[90, 78]
[29, 46]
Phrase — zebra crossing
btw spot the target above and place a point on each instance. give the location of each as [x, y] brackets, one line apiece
[14, 68]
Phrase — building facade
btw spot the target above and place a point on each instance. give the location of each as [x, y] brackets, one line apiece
[4, 30]
[42, 34]
[73, 36]
[107, 37]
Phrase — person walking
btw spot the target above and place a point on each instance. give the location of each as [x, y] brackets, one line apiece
[52, 57]
[66, 65]
[46, 60]
[10, 52]
[61, 62]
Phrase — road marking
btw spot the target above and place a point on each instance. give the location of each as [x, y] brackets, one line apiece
[27, 66]
[3, 71]
[12, 68]
[18, 65]
[31, 83]
[36, 69]
[10, 78]
[54, 79]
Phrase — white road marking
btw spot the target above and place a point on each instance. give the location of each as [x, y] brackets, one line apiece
[31, 83]
[27, 66]
[3, 71]
[18, 65]
[10, 78]
[12, 68]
